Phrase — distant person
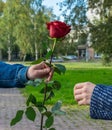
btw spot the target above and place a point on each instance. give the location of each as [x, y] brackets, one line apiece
[99, 97]
[17, 75]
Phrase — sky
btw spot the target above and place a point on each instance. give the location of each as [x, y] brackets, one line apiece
[52, 3]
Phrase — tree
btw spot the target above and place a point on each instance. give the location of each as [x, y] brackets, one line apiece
[2, 4]
[7, 27]
[101, 28]
[24, 29]
[30, 30]
[74, 13]
[23, 23]
[39, 21]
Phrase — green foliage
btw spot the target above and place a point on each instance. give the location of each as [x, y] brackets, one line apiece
[59, 68]
[106, 59]
[35, 83]
[17, 118]
[23, 23]
[49, 121]
[31, 99]
[101, 28]
[30, 113]
[52, 129]
[2, 4]
[102, 44]
[56, 109]
[37, 61]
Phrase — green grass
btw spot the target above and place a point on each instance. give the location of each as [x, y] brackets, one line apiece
[76, 72]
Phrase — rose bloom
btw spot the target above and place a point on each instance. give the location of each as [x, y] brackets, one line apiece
[58, 29]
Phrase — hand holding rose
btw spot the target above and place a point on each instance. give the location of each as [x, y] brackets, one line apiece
[40, 71]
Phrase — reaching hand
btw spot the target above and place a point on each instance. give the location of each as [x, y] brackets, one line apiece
[83, 92]
[40, 71]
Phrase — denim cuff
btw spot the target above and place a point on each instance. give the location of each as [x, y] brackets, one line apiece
[101, 103]
[22, 77]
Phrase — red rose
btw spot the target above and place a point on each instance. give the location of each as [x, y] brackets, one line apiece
[58, 29]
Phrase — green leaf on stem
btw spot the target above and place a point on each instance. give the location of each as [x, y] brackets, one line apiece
[52, 129]
[39, 104]
[17, 118]
[34, 83]
[58, 68]
[47, 113]
[49, 53]
[30, 113]
[57, 106]
[50, 95]
[37, 61]
[59, 112]
[50, 65]
[40, 107]
[47, 89]
[56, 85]
[49, 122]
[56, 109]
[37, 82]
[31, 99]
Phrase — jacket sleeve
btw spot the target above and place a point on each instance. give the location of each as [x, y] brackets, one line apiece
[101, 103]
[12, 75]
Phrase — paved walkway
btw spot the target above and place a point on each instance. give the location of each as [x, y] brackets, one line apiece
[76, 119]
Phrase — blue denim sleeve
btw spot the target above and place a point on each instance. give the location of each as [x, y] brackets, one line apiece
[101, 103]
[12, 75]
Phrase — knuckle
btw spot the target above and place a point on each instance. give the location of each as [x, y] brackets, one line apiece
[84, 102]
[76, 85]
[85, 89]
[87, 83]
[85, 95]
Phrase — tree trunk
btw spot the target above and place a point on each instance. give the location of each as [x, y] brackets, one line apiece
[36, 52]
[9, 53]
[0, 54]
[24, 57]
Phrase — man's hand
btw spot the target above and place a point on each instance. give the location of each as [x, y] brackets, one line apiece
[83, 92]
[40, 71]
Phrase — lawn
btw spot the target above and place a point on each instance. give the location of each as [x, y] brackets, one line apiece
[76, 72]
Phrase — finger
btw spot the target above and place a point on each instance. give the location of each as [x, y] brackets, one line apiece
[78, 91]
[84, 102]
[44, 71]
[50, 75]
[40, 65]
[79, 97]
[79, 85]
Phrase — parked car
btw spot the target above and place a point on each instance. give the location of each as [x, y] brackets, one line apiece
[57, 59]
[97, 56]
[70, 57]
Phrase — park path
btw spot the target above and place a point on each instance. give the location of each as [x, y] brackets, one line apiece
[77, 118]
